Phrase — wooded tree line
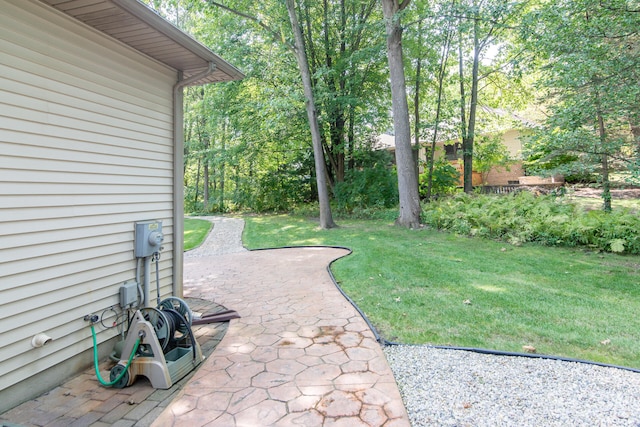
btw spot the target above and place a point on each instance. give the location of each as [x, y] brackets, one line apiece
[324, 78]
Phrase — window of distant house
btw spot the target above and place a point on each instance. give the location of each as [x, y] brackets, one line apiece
[453, 151]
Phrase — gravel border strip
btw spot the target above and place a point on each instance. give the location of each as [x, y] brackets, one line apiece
[443, 387]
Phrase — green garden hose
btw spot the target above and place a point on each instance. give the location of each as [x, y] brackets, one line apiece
[95, 361]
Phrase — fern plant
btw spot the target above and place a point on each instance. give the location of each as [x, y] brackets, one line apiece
[524, 217]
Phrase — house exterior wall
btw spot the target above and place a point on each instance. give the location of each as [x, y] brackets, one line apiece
[503, 176]
[498, 175]
[86, 150]
[512, 140]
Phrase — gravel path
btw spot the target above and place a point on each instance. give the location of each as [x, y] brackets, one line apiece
[225, 238]
[461, 388]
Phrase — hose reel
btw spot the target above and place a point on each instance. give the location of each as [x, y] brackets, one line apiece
[160, 325]
[167, 348]
[175, 303]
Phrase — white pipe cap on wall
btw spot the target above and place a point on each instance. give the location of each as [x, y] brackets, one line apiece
[40, 340]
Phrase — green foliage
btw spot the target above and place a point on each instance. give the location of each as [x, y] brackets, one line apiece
[245, 133]
[279, 191]
[245, 140]
[527, 218]
[588, 53]
[310, 210]
[374, 185]
[489, 152]
[444, 180]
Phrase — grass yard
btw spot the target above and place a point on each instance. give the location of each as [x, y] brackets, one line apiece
[431, 287]
[195, 231]
[592, 203]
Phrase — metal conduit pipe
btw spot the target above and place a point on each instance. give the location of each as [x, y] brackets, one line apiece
[140, 290]
[147, 281]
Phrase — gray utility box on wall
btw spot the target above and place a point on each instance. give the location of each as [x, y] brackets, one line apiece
[149, 237]
[128, 293]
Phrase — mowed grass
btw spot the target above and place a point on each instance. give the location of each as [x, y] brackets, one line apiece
[195, 231]
[424, 286]
[596, 203]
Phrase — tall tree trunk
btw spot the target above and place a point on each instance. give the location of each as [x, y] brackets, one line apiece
[326, 219]
[416, 105]
[236, 182]
[468, 124]
[351, 139]
[195, 198]
[467, 148]
[606, 184]
[223, 156]
[205, 185]
[416, 95]
[634, 127]
[416, 113]
[204, 140]
[405, 162]
[463, 100]
[441, 74]
[188, 136]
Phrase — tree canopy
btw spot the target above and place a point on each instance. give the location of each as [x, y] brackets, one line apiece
[589, 55]
[248, 144]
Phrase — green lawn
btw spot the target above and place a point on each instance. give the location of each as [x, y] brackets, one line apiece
[594, 203]
[431, 287]
[195, 231]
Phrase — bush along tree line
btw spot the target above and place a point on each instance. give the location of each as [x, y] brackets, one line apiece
[325, 78]
[524, 217]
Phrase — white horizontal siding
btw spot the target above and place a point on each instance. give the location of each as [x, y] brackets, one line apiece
[86, 150]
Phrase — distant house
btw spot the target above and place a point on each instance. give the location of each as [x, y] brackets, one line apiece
[511, 139]
[497, 176]
[90, 143]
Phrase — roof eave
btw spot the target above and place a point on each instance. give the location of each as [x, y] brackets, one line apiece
[135, 24]
[149, 17]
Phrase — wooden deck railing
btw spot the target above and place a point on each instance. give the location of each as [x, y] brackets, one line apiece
[506, 189]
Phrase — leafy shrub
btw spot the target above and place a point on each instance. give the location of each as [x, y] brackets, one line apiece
[277, 191]
[581, 178]
[524, 217]
[445, 179]
[370, 187]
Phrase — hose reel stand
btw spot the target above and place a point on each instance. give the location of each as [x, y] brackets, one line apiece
[167, 351]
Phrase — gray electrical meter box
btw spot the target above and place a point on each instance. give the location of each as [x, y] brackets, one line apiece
[149, 238]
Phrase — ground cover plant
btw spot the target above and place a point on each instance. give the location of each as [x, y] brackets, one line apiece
[425, 286]
[525, 217]
[195, 231]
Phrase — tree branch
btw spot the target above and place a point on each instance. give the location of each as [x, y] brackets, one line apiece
[504, 65]
[403, 4]
[617, 9]
[274, 34]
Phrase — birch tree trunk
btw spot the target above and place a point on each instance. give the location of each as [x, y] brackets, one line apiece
[407, 176]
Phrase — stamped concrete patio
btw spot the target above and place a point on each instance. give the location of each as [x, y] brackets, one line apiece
[300, 355]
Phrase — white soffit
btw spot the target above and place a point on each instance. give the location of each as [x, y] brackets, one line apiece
[136, 25]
